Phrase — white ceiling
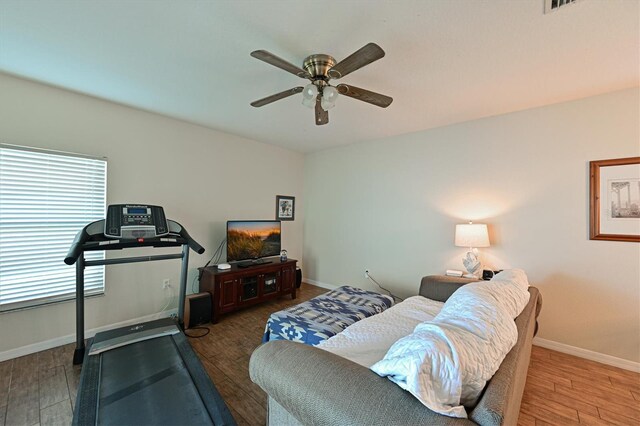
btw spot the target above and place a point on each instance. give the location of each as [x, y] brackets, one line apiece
[447, 61]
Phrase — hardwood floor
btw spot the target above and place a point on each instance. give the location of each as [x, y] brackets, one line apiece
[561, 389]
[39, 388]
[225, 353]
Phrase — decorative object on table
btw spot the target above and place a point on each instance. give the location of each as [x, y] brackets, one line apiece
[283, 255]
[472, 235]
[319, 69]
[615, 199]
[285, 207]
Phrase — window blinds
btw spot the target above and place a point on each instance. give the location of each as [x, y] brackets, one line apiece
[45, 199]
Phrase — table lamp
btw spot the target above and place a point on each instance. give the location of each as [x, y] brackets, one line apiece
[472, 235]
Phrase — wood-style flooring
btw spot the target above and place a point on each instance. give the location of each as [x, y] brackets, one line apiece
[39, 388]
[561, 389]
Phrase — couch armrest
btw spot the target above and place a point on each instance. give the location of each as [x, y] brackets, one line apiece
[441, 287]
[500, 401]
[320, 388]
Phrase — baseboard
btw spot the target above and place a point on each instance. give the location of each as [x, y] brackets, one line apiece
[63, 340]
[587, 354]
[320, 284]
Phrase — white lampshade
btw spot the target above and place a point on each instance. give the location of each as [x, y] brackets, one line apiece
[309, 95]
[329, 96]
[472, 235]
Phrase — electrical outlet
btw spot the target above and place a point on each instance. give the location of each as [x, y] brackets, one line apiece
[366, 273]
[166, 283]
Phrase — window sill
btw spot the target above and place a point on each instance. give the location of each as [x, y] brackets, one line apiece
[35, 305]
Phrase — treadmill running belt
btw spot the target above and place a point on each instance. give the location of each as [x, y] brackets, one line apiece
[148, 383]
[123, 393]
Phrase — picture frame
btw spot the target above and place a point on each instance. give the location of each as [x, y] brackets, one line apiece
[285, 207]
[614, 199]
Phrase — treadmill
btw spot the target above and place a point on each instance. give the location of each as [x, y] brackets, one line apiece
[147, 373]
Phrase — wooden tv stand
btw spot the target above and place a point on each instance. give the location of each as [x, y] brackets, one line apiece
[237, 288]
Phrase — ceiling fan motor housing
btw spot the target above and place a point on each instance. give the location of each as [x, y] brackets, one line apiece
[318, 66]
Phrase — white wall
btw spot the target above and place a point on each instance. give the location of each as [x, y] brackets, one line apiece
[391, 205]
[202, 178]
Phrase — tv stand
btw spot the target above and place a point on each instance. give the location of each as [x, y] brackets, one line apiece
[237, 288]
[255, 262]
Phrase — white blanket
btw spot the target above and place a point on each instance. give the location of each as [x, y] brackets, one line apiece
[446, 362]
[368, 340]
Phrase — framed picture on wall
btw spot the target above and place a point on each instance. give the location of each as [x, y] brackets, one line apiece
[615, 199]
[285, 207]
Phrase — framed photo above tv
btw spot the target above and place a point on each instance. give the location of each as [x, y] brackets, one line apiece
[615, 199]
[285, 207]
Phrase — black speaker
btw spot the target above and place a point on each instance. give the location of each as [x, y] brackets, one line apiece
[197, 309]
[298, 277]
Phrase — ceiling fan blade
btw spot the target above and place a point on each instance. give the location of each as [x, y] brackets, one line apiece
[272, 59]
[364, 56]
[277, 97]
[365, 95]
[322, 116]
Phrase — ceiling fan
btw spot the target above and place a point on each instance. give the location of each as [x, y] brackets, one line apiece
[320, 69]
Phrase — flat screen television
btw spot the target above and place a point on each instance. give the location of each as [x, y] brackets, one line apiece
[252, 239]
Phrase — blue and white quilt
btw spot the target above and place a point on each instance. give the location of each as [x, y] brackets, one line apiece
[324, 316]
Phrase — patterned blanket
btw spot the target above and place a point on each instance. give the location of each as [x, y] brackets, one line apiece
[324, 316]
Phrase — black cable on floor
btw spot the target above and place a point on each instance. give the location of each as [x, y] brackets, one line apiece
[197, 336]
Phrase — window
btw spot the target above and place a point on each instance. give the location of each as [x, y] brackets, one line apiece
[45, 199]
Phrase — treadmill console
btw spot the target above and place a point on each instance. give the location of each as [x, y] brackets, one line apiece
[135, 221]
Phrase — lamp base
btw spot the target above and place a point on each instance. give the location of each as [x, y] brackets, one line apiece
[472, 264]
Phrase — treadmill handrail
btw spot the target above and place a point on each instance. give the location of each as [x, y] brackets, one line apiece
[193, 244]
[76, 248]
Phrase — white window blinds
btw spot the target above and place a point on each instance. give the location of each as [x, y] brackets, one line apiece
[45, 199]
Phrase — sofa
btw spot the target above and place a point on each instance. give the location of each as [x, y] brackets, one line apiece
[308, 385]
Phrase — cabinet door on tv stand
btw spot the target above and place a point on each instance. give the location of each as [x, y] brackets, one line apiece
[270, 283]
[248, 288]
[288, 280]
[228, 299]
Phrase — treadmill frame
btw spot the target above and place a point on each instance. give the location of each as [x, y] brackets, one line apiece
[91, 238]
[81, 263]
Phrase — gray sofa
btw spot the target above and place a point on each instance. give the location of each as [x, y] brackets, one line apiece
[310, 386]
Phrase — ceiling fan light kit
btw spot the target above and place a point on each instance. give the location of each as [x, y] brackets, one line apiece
[320, 69]
[329, 96]
[309, 95]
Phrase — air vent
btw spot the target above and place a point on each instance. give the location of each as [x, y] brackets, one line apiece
[553, 5]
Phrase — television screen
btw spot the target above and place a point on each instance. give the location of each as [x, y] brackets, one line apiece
[252, 239]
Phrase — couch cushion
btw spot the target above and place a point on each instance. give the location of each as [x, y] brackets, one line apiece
[445, 363]
[366, 341]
